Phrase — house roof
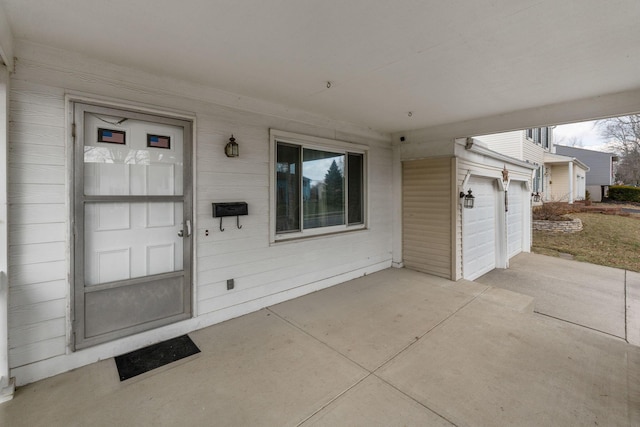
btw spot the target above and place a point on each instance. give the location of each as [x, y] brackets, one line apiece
[558, 159]
[387, 65]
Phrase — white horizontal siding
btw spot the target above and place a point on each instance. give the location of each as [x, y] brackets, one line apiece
[507, 143]
[39, 204]
[558, 189]
[533, 153]
[38, 213]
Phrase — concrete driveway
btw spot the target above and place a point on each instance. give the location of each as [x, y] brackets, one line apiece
[395, 348]
[601, 298]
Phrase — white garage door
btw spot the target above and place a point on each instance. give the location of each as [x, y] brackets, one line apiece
[515, 218]
[479, 230]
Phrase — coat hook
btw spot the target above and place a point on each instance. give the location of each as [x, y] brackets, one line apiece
[221, 229]
[238, 223]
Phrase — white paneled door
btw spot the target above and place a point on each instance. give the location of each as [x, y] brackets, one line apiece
[132, 223]
[479, 229]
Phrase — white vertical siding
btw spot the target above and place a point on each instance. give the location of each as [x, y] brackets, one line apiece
[264, 273]
[427, 216]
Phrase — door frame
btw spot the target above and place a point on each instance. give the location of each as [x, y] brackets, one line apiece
[77, 106]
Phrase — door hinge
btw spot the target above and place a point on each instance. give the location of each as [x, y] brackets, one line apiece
[73, 130]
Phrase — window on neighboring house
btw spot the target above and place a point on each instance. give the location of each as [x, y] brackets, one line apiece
[320, 186]
[544, 137]
[537, 135]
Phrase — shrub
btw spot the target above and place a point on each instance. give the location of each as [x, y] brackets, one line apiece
[552, 212]
[624, 193]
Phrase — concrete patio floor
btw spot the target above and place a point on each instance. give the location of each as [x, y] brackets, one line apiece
[393, 348]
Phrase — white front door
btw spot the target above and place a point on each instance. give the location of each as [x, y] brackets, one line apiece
[479, 229]
[132, 223]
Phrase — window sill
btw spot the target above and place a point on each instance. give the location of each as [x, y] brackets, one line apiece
[300, 239]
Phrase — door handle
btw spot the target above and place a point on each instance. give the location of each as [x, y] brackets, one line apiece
[181, 232]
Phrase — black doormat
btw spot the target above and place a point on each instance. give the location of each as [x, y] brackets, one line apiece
[145, 359]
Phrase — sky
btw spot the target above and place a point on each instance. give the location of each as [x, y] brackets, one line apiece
[585, 132]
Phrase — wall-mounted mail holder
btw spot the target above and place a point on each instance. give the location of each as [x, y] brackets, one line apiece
[220, 210]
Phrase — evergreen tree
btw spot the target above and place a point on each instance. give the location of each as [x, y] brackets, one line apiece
[334, 181]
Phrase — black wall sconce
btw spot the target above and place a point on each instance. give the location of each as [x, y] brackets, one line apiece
[536, 196]
[231, 149]
[468, 199]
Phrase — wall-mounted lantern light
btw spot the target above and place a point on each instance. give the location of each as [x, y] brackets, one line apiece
[231, 149]
[536, 196]
[468, 199]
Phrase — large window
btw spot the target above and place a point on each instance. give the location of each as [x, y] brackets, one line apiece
[319, 186]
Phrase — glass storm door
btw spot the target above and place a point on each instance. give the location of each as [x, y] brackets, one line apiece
[132, 223]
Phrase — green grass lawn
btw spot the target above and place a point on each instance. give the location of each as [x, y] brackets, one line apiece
[608, 240]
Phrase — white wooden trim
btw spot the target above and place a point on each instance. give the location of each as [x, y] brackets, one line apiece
[6, 385]
[6, 41]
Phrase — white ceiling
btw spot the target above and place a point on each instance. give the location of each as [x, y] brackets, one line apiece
[445, 61]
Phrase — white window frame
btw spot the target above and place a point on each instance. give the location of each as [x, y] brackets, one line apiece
[322, 144]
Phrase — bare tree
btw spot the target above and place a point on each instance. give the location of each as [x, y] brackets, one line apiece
[624, 133]
[574, 141]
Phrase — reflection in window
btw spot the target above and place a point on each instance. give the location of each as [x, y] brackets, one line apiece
[327, 185]
[323, 187]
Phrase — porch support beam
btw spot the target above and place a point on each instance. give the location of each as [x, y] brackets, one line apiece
[571, 178]
[6, 42]
[396, 182]
[6, 383]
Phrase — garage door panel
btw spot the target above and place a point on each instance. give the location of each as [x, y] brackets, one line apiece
[479, 229]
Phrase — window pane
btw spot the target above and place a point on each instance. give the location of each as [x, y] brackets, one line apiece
[287, 188]
[355, 178]
[323, 188]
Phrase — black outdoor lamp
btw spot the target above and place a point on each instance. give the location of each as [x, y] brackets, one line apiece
[536, 196]
[231, 149]
[468, 199]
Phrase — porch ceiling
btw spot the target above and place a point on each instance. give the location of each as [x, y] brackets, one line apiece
[445, 62]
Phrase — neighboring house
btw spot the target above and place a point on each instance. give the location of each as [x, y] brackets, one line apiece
[556, 177]
[601, 169]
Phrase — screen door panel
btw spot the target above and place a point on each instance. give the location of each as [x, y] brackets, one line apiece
[132, 222]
